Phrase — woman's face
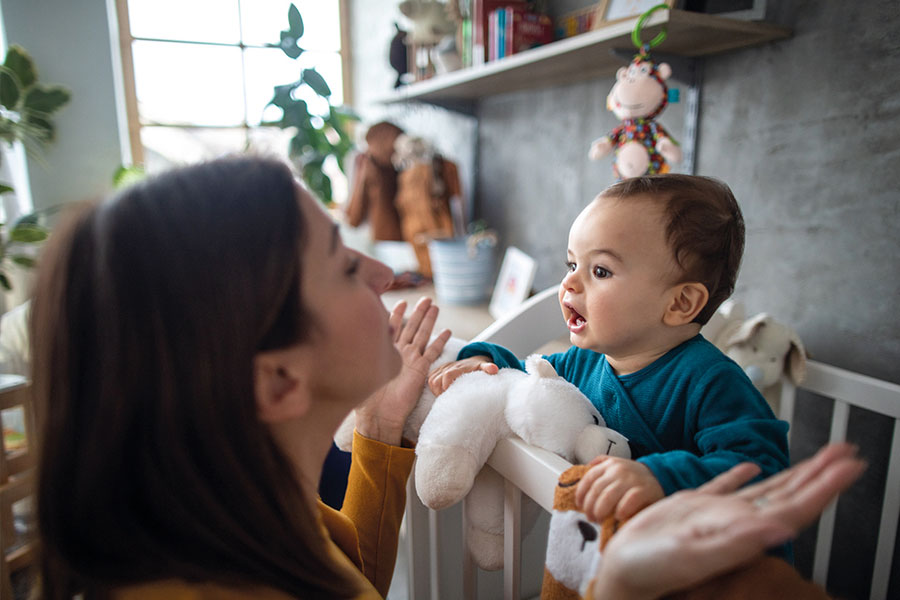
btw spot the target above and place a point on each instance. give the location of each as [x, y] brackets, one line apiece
[352, 351]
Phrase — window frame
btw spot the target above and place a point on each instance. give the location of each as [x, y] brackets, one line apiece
[126, 41]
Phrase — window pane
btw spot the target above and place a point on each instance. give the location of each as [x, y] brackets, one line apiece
[263, 20]
[165, 147]
[188, 84]
[269, 67]
[188, 20]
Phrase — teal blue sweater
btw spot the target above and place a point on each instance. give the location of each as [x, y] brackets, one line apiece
[688, 416]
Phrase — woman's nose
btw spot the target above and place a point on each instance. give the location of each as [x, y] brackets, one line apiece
[379, 275]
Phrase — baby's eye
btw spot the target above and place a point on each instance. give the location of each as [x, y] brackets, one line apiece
[570, 267]
[601, 273]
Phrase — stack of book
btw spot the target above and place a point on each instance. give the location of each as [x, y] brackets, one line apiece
[521, 29]
[513, 29]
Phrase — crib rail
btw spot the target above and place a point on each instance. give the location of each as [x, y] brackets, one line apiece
[534, 472]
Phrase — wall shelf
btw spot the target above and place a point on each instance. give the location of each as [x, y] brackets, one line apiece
[587, 56]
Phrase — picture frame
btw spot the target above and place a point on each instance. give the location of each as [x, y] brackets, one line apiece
[513, 283]
[613, 11]
[743, 10]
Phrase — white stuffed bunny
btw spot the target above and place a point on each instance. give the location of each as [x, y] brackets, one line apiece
[474, 413]
[767, 350]
[458, 430]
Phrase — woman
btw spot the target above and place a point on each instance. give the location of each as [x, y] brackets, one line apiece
[197, 340]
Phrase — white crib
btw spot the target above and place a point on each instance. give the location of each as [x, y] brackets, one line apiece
[439, 567]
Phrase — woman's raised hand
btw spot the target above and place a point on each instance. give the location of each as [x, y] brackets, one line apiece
[693, 535]
[382, 416]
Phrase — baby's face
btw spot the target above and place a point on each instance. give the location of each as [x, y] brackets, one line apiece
[619, 272]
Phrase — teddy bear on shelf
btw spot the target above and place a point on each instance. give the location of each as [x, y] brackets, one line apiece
[768, 351]
[457, 432]
[642, 146]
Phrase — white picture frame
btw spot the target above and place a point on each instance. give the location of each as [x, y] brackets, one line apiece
[513, 283]
[613, 11]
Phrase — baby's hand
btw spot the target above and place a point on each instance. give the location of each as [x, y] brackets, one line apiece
[441, 378]
[616, 486]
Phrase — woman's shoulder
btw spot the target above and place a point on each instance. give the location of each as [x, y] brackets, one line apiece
[178, 589]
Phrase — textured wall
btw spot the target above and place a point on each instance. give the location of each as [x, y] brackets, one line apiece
[805, 131]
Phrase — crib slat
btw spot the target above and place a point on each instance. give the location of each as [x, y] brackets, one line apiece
[434, 549]
[469, 569]
[839, 421]
[787, 400]
[890, 509]
[512, 541]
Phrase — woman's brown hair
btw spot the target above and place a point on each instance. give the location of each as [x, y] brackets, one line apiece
[148, 312]
[704, 228]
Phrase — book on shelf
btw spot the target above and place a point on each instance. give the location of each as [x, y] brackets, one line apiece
[481, 10]
[513, 29]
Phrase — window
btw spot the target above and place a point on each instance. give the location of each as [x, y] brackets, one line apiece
[199, 73]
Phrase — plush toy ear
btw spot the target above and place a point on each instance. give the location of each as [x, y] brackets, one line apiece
[620, 74]
[535, 364]
[795, 365]
[747, 329]
[664, 71]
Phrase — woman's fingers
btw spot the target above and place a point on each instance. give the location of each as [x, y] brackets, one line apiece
[415, 320]
[396, 319]
[731, 479]
[436, 346]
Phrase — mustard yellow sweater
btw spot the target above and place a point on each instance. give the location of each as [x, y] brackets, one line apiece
[364, 532]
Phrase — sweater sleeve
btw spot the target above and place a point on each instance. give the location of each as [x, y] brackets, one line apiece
[499, 355]
[375, 501]
[728, 423]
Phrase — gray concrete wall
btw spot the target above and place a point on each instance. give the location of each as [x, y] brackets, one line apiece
[805, 131]
[70, 43]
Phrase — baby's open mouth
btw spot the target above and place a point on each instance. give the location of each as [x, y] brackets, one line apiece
[575, 322]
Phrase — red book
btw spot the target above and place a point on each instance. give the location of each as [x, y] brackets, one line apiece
[525, 30]
[481, 9]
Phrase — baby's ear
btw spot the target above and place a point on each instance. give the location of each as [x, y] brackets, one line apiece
[686, 300]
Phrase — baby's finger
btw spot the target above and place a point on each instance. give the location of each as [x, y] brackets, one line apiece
[489, 368]
[632, 502]
[605, 503]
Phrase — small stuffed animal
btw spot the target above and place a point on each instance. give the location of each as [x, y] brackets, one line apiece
[573, 542]
[767, 350]
[641, 144]
[474, 413]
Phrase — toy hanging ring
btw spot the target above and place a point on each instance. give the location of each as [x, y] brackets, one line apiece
[636, 32]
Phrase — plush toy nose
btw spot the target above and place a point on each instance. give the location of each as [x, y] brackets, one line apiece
[755, 374]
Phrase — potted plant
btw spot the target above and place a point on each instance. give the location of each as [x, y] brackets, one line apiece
[26, 117]
[463, 266]
[316, 136]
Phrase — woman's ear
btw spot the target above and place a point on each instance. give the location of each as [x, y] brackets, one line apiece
[686, 302]
[279, 390]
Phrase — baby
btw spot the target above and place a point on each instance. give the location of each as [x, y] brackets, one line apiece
[648, 262]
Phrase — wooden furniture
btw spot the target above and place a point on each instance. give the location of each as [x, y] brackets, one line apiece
[17, 481]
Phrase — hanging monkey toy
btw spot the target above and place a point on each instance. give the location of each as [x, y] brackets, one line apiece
[642, 146]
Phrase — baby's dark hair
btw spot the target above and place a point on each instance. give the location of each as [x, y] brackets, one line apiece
[704, 228]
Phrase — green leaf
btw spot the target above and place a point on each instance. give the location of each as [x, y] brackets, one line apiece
[289, 45]
[312, 78]
[23, 261]
[9, 91]
[295, 21]
[4, 189]
[283, 98]
[125, 176]
[28, 234]
[19, 62]
[46, 99]
[4, 282]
